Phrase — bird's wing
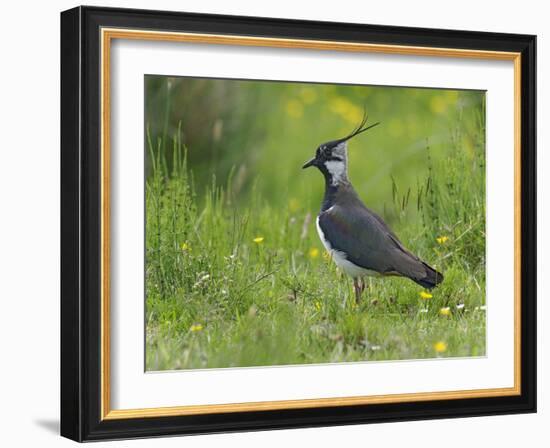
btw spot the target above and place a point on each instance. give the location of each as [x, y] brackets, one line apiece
[368, 242]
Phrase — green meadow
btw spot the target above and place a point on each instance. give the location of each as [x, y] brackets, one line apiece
[235, 272]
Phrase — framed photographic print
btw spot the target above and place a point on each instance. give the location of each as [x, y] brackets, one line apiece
[274, 224]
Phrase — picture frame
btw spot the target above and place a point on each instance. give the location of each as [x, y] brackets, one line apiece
[87, 34]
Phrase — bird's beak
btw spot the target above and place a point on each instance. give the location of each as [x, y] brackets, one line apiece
[309, 163]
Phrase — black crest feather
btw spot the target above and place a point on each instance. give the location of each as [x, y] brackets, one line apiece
[362, 127]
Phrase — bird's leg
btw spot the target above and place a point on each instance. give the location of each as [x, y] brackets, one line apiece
[363, 284]
[358, 289]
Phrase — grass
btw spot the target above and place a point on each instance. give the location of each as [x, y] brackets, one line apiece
[234, 279]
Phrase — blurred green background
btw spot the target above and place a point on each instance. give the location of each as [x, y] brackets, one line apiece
[235, 272]
[262, 132]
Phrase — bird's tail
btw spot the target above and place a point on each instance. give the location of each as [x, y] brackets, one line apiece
[432, 278]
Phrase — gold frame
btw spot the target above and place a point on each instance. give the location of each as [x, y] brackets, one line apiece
[107, 35]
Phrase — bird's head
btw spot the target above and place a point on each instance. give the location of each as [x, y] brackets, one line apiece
[331, 158]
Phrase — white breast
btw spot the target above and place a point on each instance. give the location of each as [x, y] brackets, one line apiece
[340, 258]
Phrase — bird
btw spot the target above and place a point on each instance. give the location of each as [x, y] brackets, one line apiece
[357, 239]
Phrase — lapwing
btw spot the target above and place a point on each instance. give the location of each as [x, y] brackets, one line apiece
[358, 240]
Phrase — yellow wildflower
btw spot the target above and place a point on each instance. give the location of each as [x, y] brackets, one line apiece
[185, 247]
[345, 108]
[442, 239]
[425, 295]
[451, 95]
[318, 305]
[446, 311]
[440, 347]
[258, 239]
[293, 204]
[294, 108]
[313, 252]
[438, 104]
[195, 328]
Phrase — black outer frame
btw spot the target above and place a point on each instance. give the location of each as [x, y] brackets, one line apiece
[81, 207]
